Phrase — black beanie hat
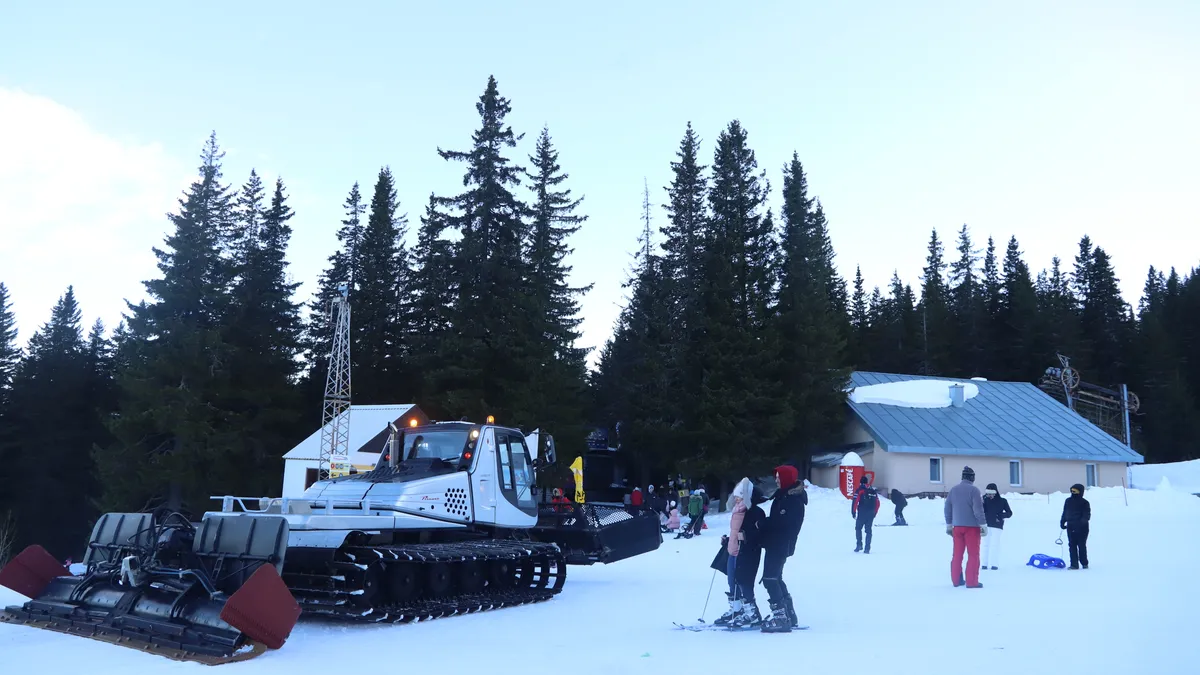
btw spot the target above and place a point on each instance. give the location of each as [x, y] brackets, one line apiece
[968, 474]
[992, 486]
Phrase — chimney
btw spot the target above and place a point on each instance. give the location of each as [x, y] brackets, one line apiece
[957, 395]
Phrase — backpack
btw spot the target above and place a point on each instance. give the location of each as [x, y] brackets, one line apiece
[869, 501]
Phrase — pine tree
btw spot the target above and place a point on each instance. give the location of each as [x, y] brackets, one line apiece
[1105, 321]
[809, 319]
[558, 386]
[991, 304]
[632, 384]
[432, 289]
[490, 358]
[860, 323]
[344, 267]
[741, 411]
[936, 338]
[52, 458]
[172, 441]
[379, 353]
[1017, 324]
[10, 356]
[10, 353]
[967, 308]
[263, 333]
[683, 273]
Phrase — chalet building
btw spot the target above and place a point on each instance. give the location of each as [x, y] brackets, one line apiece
[917, 433]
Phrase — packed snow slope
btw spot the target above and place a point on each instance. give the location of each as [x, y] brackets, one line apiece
[892, 611]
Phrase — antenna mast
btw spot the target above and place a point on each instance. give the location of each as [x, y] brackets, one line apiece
[334, 460]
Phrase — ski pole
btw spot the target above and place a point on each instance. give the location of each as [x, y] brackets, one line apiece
[707, 597]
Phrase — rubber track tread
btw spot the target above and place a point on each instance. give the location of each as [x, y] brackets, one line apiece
[538, 574]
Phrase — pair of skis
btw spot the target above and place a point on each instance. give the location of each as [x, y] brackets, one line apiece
[703, 627]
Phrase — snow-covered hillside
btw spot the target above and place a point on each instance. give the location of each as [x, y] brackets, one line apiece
[892, 611]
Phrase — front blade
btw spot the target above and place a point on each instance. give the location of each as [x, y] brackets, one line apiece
[263, 608]
[32, 571]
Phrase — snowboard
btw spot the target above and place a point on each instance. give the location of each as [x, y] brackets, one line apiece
[702, 627]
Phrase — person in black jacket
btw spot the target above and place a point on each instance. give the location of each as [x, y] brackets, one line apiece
[899, 500]
[1076, 516]
[780, 530]
[996, 509]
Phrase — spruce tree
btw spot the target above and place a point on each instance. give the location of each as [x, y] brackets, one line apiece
[52, 384]
[10, 356]
[10, 353]
[379, 350]
[967, 308]
[936, 337]
[432, 291]
[263, 333]
[632, 384]
[741, 410]
[558, 387]
[490, 358]
[172, 442]
[1105, 321]
[1017, 325]
[860, 323]
[683, 273]
[343, 267]
[809, 319]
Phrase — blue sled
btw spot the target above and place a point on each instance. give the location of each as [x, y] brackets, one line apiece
[1045, 562]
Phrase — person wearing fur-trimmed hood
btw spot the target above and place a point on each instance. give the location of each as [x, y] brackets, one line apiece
[744, 554]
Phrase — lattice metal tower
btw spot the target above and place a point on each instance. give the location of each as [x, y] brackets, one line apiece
[335, 421]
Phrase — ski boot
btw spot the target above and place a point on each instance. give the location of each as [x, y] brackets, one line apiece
[778, 622]
[749, 616]
[735, 609]
[791, 611]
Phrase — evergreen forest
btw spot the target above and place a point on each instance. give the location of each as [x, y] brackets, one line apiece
[731, 354]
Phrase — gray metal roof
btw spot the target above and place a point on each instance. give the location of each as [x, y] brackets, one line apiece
[1006, 419]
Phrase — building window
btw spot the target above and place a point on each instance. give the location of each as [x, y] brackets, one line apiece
[935, 469]
[310, 477]
[1014, 472]
[1090, 480]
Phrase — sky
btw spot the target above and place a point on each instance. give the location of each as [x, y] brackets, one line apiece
[1044, 121]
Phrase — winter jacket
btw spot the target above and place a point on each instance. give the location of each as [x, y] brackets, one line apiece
[735, 528]
[673, 521]
[898, 498]
[750, 550]
[964, 506]
[782, 527]
[996, 509]
[1077, 512]
[858, 495]
[635, 499]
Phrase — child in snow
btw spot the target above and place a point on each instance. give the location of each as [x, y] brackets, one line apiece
[673, 519]
[996, 509]
[1076, 516]
[899, 500]
[864, 508]
[693, 511]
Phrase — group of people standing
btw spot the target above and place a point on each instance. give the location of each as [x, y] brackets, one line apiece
[754, 537]
[972, 517]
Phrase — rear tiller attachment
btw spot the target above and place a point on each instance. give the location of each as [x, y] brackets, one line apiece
[211, 594]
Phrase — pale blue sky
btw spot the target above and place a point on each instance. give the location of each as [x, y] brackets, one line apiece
[1043, 120]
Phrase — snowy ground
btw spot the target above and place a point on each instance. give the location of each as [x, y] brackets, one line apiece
[893, 611]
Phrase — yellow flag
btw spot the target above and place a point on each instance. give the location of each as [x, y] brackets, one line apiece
[577, 471]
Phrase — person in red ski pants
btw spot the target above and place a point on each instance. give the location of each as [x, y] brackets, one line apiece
[966, 522]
